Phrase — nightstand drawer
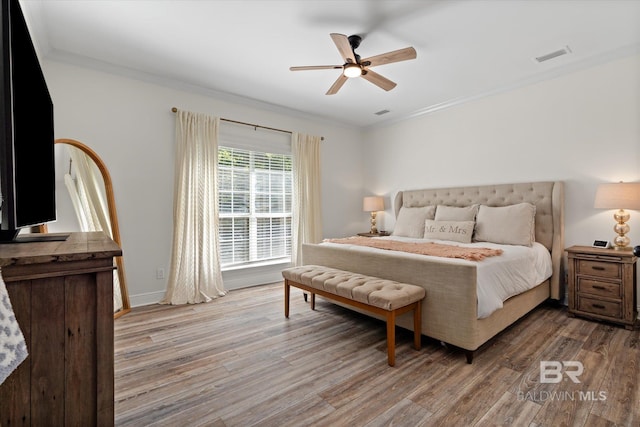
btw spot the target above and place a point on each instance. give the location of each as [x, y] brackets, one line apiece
[610, 270]
[595, 287]
[603, 308]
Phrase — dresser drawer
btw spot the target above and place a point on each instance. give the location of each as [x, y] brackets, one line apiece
[596, 287]
[602, 308]
[609, 270]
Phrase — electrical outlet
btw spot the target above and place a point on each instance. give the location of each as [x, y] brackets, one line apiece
[160, 273]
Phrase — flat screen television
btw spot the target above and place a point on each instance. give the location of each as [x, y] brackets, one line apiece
[27, 166]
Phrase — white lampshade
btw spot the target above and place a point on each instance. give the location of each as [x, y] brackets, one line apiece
[621, 195]
[352, 70]
[373, 204]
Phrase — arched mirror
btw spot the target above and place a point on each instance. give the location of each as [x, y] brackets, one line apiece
[88, 184]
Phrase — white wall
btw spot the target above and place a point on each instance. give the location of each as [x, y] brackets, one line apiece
[582, 128]
[130, 125]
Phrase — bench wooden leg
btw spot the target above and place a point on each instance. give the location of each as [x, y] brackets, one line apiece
[391, 338]
[417, 325]
[287, 288]
[313, 301]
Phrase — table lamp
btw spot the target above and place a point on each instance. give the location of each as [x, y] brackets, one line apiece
[373, 204]
[621, 196]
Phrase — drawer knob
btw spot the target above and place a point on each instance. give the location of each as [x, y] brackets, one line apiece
[600, 306]
[596, 267]
[598, 287]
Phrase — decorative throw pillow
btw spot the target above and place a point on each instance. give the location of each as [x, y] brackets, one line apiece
[410, 221]
[456, 231]
[510, 225]
[455, 213]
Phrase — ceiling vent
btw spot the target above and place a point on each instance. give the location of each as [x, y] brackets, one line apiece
[565, 50]
[381, 112]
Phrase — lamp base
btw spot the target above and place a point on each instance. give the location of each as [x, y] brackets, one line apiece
[374, 229]
[621, 241]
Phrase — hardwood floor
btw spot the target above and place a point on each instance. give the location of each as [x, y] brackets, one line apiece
[238, 362]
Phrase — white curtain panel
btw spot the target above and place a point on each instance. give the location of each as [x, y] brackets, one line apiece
[307, 215]
[72, 188]
[88, 199]
[91, 210]
[195, 274]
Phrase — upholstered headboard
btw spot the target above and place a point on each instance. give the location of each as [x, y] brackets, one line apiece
[548, 197]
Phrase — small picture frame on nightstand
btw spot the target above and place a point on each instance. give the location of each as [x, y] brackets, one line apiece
[602, 244]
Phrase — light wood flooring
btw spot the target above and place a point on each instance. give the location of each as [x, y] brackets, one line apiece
[238, 362]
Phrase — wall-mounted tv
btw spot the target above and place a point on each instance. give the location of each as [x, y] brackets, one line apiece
[27, 171]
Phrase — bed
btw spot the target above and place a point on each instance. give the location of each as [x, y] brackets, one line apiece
[451, 311]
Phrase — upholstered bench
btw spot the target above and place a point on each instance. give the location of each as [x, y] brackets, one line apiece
[383, 297]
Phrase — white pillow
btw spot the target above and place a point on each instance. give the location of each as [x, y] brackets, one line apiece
[456, 231]
[454, 213]
[410, 221]
[510, 225]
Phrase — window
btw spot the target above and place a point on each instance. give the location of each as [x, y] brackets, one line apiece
[254, 195]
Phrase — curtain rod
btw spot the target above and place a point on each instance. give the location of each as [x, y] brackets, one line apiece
[175, 110]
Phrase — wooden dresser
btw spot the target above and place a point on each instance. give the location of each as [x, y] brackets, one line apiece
[62, 295]
[602, 284]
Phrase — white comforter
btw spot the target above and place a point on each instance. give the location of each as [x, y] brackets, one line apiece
[518, 269]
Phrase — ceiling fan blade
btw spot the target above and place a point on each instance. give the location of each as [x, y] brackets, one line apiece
[337, 85]
[378, 80]
[344, 47]
[316, 67]
[389, 57]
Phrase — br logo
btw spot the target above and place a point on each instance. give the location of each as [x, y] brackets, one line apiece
[551, 371]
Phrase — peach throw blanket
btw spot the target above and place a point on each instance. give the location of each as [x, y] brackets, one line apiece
[426, 248]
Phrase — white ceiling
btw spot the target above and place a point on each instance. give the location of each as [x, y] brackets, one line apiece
[465, 48]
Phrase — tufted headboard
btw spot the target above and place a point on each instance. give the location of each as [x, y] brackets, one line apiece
[548, 197]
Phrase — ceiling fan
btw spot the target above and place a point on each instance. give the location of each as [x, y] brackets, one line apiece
[356, 67]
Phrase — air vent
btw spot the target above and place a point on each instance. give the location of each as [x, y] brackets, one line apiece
[381, 112]
[565, 50]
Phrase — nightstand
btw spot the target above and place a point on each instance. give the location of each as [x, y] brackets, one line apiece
[378, 234]
[602, 284]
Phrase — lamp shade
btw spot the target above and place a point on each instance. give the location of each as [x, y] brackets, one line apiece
[373, 204]
[352, 70]
[621, 195]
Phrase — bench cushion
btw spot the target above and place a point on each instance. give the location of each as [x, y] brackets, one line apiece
[381, 293]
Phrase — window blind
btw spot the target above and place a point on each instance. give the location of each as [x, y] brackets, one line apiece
[255, 196]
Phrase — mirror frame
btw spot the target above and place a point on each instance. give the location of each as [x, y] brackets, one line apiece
[113, 218]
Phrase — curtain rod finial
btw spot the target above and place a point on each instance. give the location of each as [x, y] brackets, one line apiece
[174, 109]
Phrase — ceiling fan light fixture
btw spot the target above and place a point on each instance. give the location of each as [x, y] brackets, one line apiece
[352, 66]
[352, 70]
